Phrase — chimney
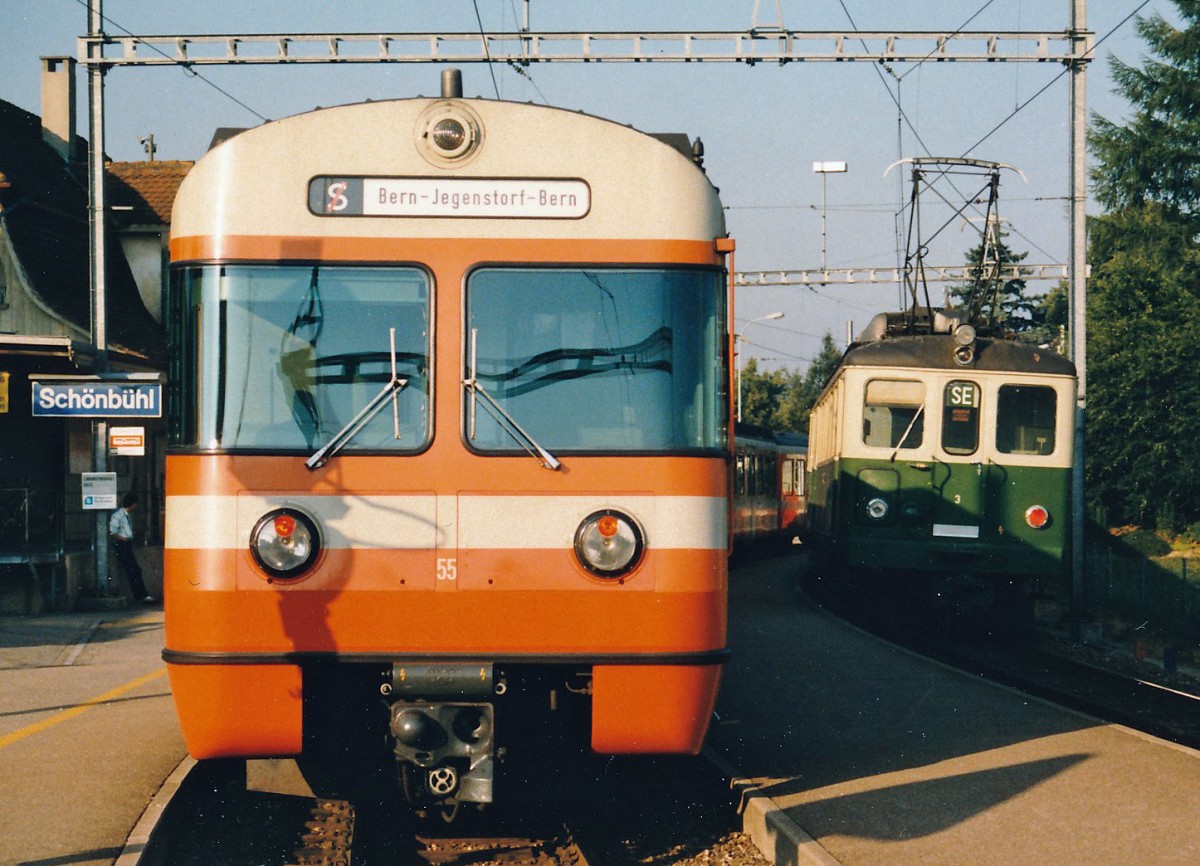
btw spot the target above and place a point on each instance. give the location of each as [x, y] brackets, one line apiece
[58, 105]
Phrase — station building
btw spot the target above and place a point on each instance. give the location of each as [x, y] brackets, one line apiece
[46, 538]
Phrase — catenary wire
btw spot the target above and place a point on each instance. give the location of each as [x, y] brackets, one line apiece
[183, 64]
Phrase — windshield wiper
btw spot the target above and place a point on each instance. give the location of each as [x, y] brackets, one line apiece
[507, 423]
[391, 389]
[907, 430]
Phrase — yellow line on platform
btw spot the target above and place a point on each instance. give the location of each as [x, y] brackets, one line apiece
[36, 727]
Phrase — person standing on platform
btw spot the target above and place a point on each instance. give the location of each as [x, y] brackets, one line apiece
[120, 528]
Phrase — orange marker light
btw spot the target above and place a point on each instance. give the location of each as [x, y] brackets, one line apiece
[1037, 516]
[607, 526]
[285, 525]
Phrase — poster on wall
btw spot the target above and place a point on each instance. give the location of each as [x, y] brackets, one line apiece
[99, 491]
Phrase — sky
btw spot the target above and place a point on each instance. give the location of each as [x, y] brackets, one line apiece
[763, 126]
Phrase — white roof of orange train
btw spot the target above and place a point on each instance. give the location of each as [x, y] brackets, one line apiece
[256, 182]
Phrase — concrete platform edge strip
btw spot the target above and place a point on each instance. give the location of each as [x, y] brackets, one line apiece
[768, 825]
[138, 842]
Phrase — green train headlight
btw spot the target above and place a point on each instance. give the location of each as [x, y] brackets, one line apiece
[877, 509]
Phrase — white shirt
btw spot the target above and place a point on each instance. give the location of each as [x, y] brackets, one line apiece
[120, 526]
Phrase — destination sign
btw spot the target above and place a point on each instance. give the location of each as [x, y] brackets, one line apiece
[475, 197]
[94, 399]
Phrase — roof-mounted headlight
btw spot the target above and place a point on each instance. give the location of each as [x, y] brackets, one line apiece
[964, 335]
[448, 133]
[964, 348]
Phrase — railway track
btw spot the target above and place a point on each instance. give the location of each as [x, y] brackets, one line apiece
[1046, 671]
[1074, 675]
[662, 811]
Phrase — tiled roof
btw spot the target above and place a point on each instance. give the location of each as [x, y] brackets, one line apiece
[45, 211]
[147, 189]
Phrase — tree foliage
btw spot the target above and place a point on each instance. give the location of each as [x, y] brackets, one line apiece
[1014, 310]
[1143, 404]
[782, 399]
[1153, 157]
[1143, 401]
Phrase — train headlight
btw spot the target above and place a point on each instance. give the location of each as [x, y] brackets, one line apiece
[964, 335]
[448, 133]
[608, 543]
[877, 509]
[1037, 516]
[285, 543]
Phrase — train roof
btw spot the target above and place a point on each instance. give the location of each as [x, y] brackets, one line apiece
[638, 185]
[785, 438]
[937, 351]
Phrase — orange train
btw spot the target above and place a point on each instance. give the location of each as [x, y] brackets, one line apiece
[449, 413]
[770, 493]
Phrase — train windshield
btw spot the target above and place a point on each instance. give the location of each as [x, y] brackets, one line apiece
[596, 360]
[894, 413]
[960, 418]
[283, 358]
[1025, 419]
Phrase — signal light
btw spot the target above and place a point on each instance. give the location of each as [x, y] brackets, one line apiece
[1037, 517]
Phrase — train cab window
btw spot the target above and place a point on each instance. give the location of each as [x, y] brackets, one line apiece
[1025, 419]
[286, 357]
[960, 418]
[595, 360]
[894, 413]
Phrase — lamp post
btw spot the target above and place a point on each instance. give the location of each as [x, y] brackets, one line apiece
[740, 337]
[824, 169]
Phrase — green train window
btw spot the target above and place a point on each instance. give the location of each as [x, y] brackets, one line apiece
[960, 418]
[894, 413]
[1025, 416]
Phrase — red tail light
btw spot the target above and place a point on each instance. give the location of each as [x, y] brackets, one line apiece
[1037, 516]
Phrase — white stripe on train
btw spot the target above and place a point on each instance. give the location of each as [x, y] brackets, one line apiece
[464, 522]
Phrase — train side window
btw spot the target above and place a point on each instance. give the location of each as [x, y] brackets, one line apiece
[1025, 419]
[893, 413]
[960, 418]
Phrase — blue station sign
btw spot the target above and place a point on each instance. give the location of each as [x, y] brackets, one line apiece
[96, 399]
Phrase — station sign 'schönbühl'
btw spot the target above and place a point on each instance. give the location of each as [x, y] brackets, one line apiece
[475, 197]
[96, 399]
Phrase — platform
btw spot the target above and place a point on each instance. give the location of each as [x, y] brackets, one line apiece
[88, 733]
[883, 758]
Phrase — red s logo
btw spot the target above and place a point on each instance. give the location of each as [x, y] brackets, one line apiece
[337, 201]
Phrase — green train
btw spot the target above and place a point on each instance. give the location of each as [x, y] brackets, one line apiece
[940, 462]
